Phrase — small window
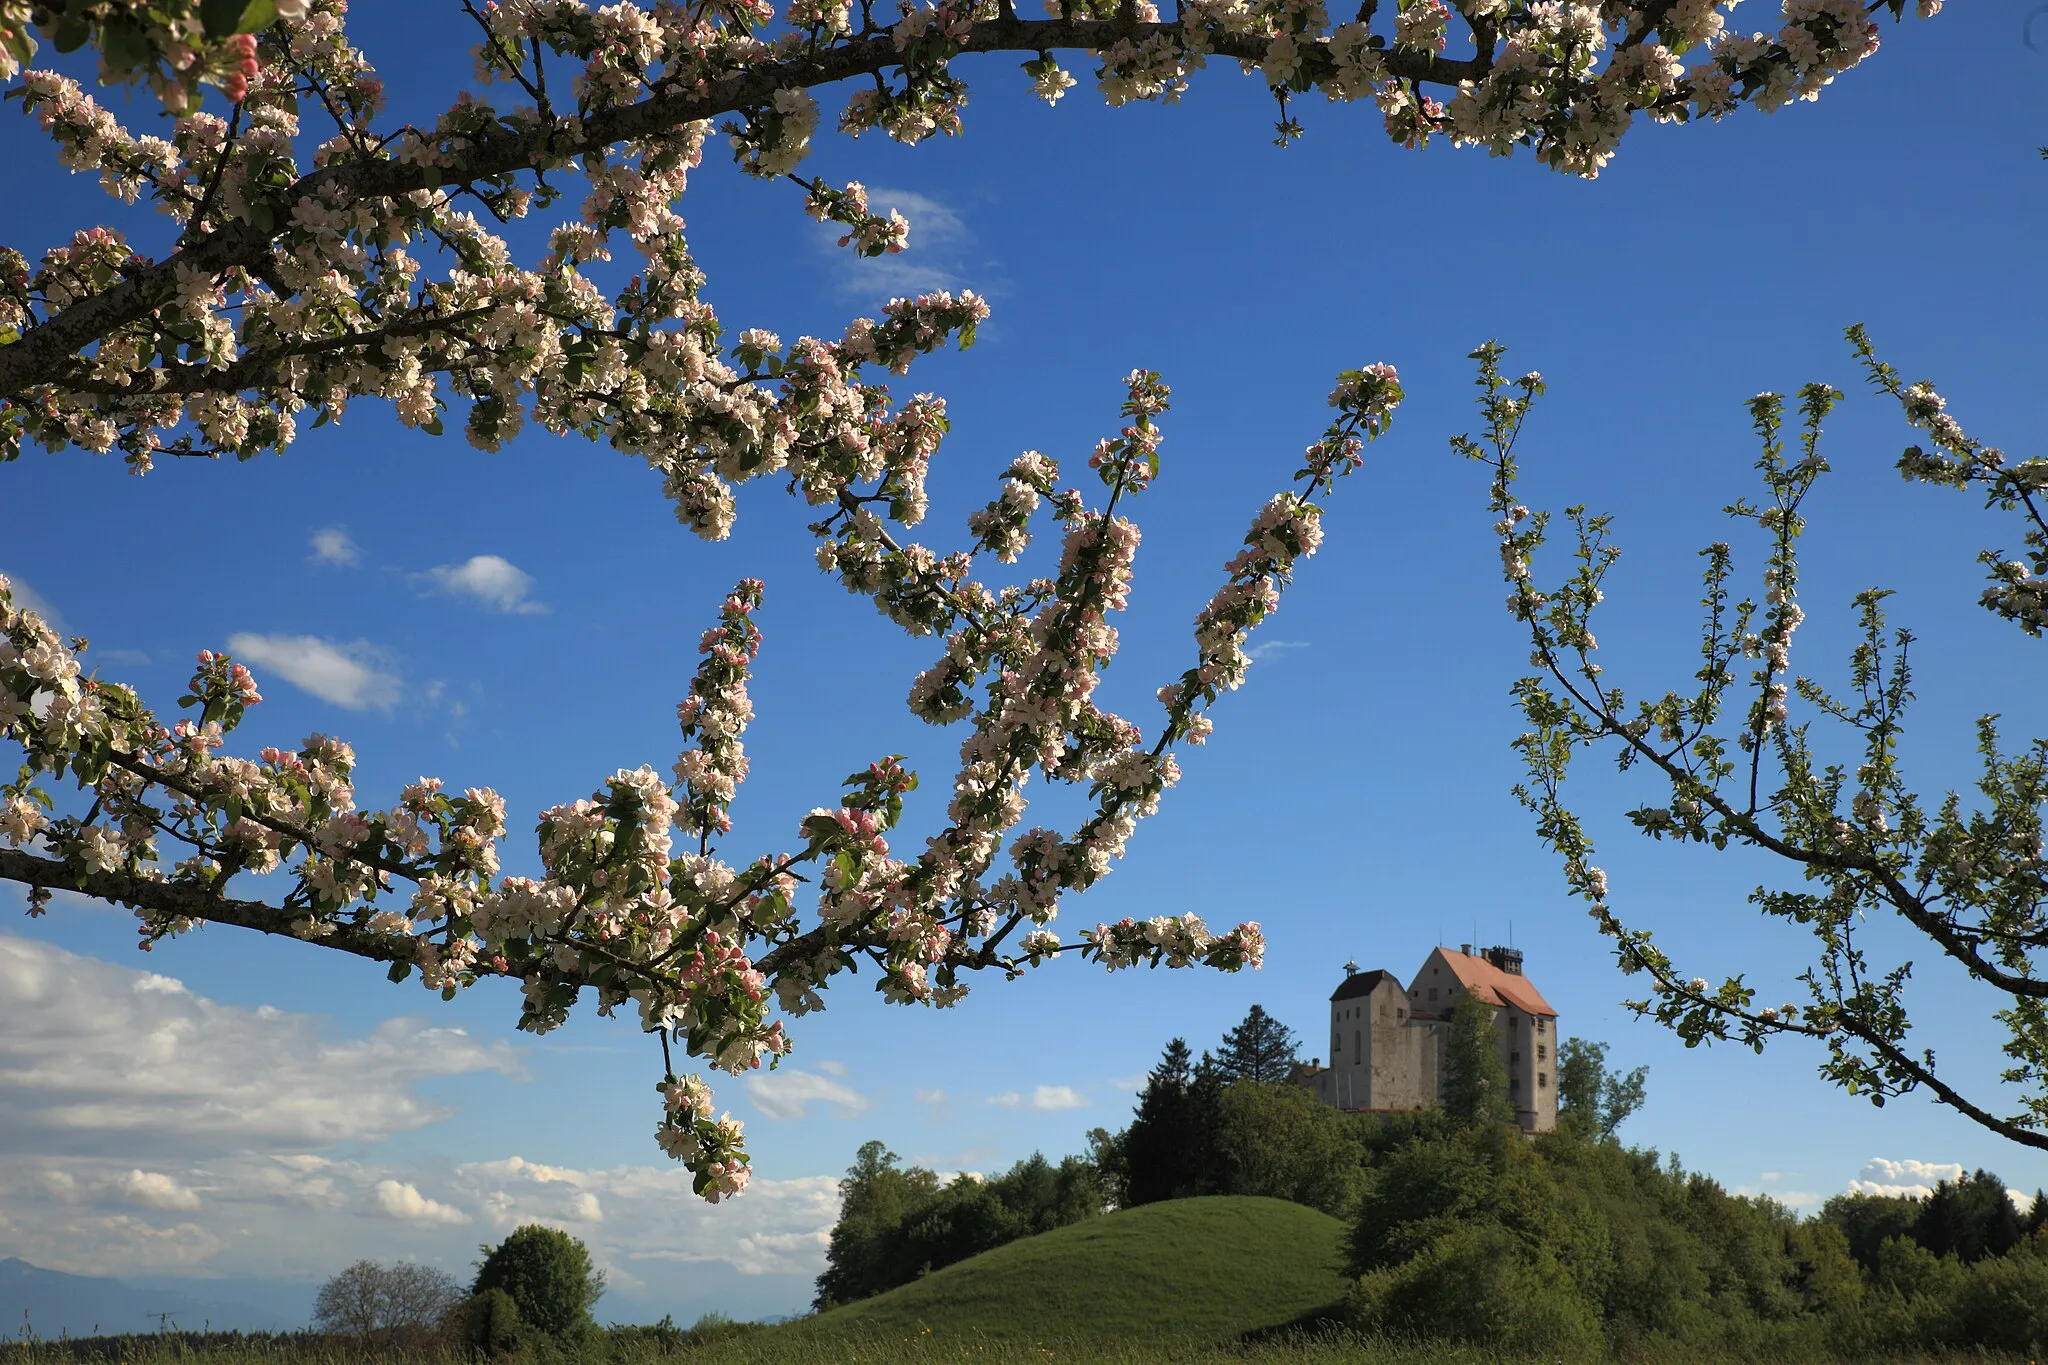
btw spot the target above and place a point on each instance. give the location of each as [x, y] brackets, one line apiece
[1336, 1042]
[1400, 1014]
[1514, 1059]
[1514, 1083]
[1540, 1025]
[1542, 1079]
[1541, 1052]
[1432, 992]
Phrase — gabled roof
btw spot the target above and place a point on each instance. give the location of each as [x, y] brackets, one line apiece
[1495, 986]
[1361, 983]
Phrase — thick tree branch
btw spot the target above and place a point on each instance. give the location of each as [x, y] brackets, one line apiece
[44, 354]
[191, 902]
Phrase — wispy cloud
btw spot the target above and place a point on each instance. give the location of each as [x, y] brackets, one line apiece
[1268, 649]
[349, 675]
[403, 1201]
[1044, 1098]
[28, 599]
[1777, 1185]
[936, 257]
[786, 1093]
[332, 545]
[490, 579]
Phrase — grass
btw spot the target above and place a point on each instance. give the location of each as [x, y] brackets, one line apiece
[1190, 1271]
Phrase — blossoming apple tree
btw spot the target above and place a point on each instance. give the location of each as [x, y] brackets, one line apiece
[322, 256]
[1737, 763]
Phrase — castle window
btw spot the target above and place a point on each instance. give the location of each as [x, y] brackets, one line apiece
[1514, 1058]
[1514, 1083]
[1541, 1052]
[1542, 1079]
[1400, 1014]
[1432, 992]
[1336, 1042]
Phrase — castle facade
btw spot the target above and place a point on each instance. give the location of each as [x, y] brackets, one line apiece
[1387, 1040]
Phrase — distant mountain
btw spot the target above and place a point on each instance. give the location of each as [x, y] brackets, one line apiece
[51, 1303]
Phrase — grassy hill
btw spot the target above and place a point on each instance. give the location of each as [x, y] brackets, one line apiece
[1196, 1270]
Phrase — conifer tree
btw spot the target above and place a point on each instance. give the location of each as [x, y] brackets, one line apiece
[1259, 1049]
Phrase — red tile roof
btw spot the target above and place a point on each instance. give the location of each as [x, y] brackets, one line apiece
[1495, 986]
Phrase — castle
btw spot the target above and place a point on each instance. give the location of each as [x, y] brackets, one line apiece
[1387, 1041]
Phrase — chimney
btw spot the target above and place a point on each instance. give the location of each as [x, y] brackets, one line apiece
[1508, 960]
[1465, 948]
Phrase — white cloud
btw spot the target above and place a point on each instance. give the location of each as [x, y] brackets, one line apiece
[101, 1060]
[931, 1096]
[347, 675]
[154, 1189]
[332, 545]
[1911, 1179]
[28, 599]
[785, 1093]
[650, 1213]
[1774, 1185]
[933, 259]
[1267, 649]
[1044, 1098]
[494, 581]
[403, 1201]
[831, 1068]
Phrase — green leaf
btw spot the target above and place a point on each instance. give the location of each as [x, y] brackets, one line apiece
[123, 45]
[432, 426]
[399, 971]
[221, 18]
[70, 34]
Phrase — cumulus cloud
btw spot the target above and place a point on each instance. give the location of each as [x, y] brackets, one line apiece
[786, 1093]
[349, 675]
[156, 1190]
[650, 1214]
[332, 545]
[97, 1059]
[489, 579]
[402, 1200]
[1045, 1098]
[1910, 1179]
[933, 1096]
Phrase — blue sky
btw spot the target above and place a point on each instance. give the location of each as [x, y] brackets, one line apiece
[528, 620]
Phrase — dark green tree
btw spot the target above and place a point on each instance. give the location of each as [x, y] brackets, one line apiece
[1475, 1079]
[1868, 1221]
[1259, 1049]
[1169, 1149]
[1970, 1218]
[548, 1274]
[1591, 1100]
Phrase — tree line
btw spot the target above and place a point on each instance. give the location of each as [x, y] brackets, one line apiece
[1464, 1228]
